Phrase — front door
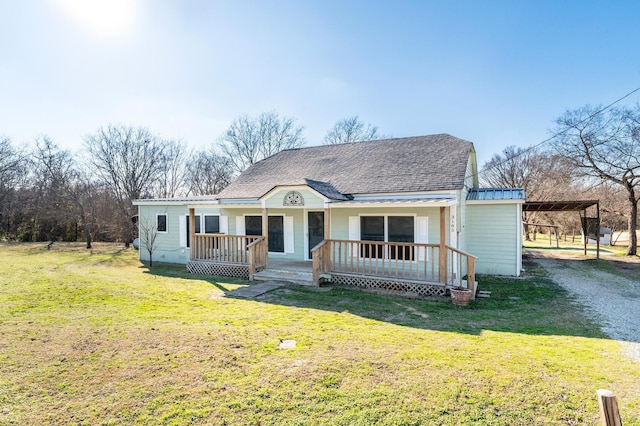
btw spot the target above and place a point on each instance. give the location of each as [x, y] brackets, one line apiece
[316, 229]
[276, 234]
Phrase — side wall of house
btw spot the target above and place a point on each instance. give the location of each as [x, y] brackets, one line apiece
[167, 244]
[493, 234]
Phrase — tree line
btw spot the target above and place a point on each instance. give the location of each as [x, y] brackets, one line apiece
[48, 193]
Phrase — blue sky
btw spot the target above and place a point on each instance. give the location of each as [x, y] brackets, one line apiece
[496, 73]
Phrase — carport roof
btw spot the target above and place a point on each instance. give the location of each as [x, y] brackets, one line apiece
[558, 206]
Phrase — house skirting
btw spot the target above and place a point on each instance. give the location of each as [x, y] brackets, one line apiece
[405, 287]
[202, 267]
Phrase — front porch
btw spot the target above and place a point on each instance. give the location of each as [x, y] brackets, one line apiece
[404, 267]
[420, 268]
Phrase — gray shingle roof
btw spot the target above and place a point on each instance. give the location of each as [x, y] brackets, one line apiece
[414, 164]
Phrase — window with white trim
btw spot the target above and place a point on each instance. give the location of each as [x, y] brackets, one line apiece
[161, 222]
[398, 229]
[211, 224]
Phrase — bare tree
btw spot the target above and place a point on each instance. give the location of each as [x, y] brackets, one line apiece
[351, 129]
[614, 213]
[605, 146]
[542, 175]
[11, 162]
[51, 207]
[208, 173]
[250, 139]
[12, 170]
[148, 236]
[129, 161]
[173, 169]
[84, 194]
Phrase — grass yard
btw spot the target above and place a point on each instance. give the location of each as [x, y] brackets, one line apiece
[95, 337]
[542, 243]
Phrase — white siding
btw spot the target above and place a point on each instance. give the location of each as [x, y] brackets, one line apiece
[288, 235]
[311, 200]
[492, 235]
[422, 235]
[168, 247]
[240, 225]
[224, 224]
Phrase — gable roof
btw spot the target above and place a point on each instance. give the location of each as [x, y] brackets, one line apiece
[414, 164]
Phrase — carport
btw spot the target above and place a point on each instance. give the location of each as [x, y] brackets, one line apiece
[588, 223]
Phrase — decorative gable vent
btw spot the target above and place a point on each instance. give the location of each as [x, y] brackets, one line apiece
[293, 198]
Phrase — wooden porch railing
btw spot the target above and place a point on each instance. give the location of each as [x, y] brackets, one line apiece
[406, 261]
[251, 250]
[458, 262]
[258, 255]
[320, 260]
[221, 247]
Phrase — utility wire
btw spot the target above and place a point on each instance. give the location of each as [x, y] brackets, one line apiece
[549, 139]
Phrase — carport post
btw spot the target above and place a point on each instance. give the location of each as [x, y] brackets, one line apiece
[598, 234]
[585, 231]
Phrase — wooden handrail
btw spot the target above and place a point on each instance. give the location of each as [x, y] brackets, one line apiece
[383, 242]
[255, 242]
[464, 253]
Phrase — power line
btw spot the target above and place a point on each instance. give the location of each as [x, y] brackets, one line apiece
[549, 139]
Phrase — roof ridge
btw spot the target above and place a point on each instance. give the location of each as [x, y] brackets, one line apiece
[369, 141]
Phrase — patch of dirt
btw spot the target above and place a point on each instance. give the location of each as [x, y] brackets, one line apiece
[413, 311]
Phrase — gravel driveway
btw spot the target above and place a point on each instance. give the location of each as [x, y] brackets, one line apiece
[613, 300]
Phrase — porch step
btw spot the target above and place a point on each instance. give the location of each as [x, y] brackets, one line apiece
[294, 277]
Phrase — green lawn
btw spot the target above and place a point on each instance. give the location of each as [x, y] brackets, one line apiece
[95, 337]
[542, 243]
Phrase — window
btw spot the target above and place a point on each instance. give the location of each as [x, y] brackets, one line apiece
[398, 229]
[371, 229]
[253, 226]
[211, 224]
[161, 222]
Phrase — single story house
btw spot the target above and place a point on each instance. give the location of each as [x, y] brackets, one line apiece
[401, 214]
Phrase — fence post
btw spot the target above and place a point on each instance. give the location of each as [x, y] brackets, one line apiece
[609, 414]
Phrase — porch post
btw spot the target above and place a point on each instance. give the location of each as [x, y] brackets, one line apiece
[265, 234]
[327, 223]
[442, 255]
[192, 232]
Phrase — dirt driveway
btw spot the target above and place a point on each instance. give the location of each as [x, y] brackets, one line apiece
[609, 288]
